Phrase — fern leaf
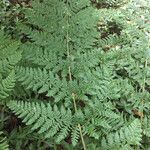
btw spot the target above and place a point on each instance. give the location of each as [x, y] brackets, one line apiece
[7, 85]
[9, 54]
[75, 136]
[130, 135]
[3, 143]
[43, 118]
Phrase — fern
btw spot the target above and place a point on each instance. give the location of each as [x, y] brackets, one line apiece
[9, 55]
[110, 3]
[7, 85]
[3, 143]
[78, 83]
[128, 135]
[49, 121]
[60, 123]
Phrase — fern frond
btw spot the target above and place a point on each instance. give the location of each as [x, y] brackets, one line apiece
[9, 53]
[146, 126]
[88, 93]
[130, 135]
[7, 85]
[110, 3]
[46, 120]
[75, 135]
[3, 143]
[52, 85]
[44, 81]
[102, 119]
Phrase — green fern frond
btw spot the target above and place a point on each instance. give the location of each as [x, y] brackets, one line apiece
[113, 42]
[9, 53]
[51, 122]
[130, 135]
[146, 126]
[44, 81]
[3, 143]
[111, 3]
[75, 135]
[102, 119]
[7, 85]
[79, 92]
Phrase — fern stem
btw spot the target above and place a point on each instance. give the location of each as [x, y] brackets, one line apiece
[79, 126]
[81, 135]
[73, 95]
[74, 101]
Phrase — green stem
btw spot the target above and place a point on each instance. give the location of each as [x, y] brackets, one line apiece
[73, 95]
[79, 126]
